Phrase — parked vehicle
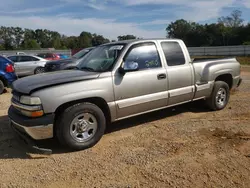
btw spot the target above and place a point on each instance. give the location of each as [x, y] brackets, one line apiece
[64, 64]
[49, 56]
[20, 53]
[117, 81]
[7, 73]
[63, 56]
[26, 65]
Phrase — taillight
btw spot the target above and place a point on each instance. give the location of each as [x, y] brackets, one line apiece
[10, 68]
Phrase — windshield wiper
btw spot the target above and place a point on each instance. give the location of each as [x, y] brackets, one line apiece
[88, 69]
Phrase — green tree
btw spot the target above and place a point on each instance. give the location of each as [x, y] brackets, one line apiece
[18, 34]
[85, 40]
[98, 40]
[229, 24]
[126, 37]
[31, 44]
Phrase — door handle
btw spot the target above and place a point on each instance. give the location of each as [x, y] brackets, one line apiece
[161, 76]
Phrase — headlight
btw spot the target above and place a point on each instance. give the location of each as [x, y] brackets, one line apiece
[30, 100]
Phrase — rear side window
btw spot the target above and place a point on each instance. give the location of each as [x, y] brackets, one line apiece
[173, 53]
[25, 58]
[34, 59]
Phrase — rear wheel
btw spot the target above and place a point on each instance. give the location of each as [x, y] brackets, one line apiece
[39, 70]
[1, 87]
[81, 126]
[220, 96]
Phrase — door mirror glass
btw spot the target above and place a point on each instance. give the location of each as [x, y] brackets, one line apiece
[129, 66]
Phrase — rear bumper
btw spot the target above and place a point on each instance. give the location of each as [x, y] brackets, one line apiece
[37, 128]
[9, 78]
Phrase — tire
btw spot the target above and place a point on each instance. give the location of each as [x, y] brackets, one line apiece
[39, 70]
[81, 126]
[1, 87]
[219, 97]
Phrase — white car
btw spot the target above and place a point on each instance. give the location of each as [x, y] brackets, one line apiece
[26, 65]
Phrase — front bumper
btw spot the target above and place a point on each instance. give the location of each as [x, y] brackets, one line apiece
[37, 128]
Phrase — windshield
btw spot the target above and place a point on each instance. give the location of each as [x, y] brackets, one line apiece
[81, 53]
[102, 58]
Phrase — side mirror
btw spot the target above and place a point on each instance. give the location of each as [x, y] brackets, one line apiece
[129, 67]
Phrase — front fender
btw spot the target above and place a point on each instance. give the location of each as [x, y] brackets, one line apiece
[55, 96]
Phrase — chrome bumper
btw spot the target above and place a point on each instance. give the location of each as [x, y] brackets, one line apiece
[37, 132]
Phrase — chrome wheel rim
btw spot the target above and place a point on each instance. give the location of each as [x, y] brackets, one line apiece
[221, 97]
[83, 127]
[39, 71]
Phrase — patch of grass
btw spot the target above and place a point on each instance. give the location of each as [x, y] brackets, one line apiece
[243, 60]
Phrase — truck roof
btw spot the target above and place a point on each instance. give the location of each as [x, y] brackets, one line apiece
[142, 40]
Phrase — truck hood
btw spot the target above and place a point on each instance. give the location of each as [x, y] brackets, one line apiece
[29, 84]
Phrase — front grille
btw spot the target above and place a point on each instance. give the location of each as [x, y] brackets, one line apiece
[50, 68]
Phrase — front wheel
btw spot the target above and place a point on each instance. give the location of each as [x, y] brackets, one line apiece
[219, 97]
[81, 126]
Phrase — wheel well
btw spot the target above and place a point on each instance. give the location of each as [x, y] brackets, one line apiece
[37, 68]
[101, 103]
[4, 81]
[226, 78]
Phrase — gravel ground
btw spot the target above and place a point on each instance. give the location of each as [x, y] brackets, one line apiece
[186, 146]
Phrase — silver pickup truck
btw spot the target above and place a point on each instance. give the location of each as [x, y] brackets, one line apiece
[117, 81]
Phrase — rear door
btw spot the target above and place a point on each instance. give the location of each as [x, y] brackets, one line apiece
[180, 73]
[26, 65]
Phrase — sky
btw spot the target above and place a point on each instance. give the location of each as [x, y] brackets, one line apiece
[111, 18]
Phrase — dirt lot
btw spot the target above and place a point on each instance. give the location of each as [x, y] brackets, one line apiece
[186, 146]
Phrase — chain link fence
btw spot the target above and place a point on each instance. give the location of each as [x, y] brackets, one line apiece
[243, 50]
[34, 52]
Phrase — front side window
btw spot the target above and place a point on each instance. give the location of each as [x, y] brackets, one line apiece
[102, 58]
[146, 56]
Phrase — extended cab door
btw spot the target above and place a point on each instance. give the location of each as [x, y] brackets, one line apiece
[179, 70]
[142, 90]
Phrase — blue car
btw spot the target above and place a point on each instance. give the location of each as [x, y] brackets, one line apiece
[7, 73]
[63, 56]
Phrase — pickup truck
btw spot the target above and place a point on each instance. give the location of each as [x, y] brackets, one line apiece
[117, 81]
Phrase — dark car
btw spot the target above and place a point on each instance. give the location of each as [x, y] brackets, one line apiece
[64, 64]
[7, 73]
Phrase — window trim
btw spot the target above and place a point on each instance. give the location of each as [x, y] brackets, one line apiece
[20, 57]
[143, 44]
[181, 47]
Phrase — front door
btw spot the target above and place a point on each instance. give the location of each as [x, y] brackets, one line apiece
[142, 90]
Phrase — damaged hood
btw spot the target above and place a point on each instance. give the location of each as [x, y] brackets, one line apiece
[29, 84]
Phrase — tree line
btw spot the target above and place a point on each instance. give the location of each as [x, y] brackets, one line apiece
[16, 38]
[229, 30]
